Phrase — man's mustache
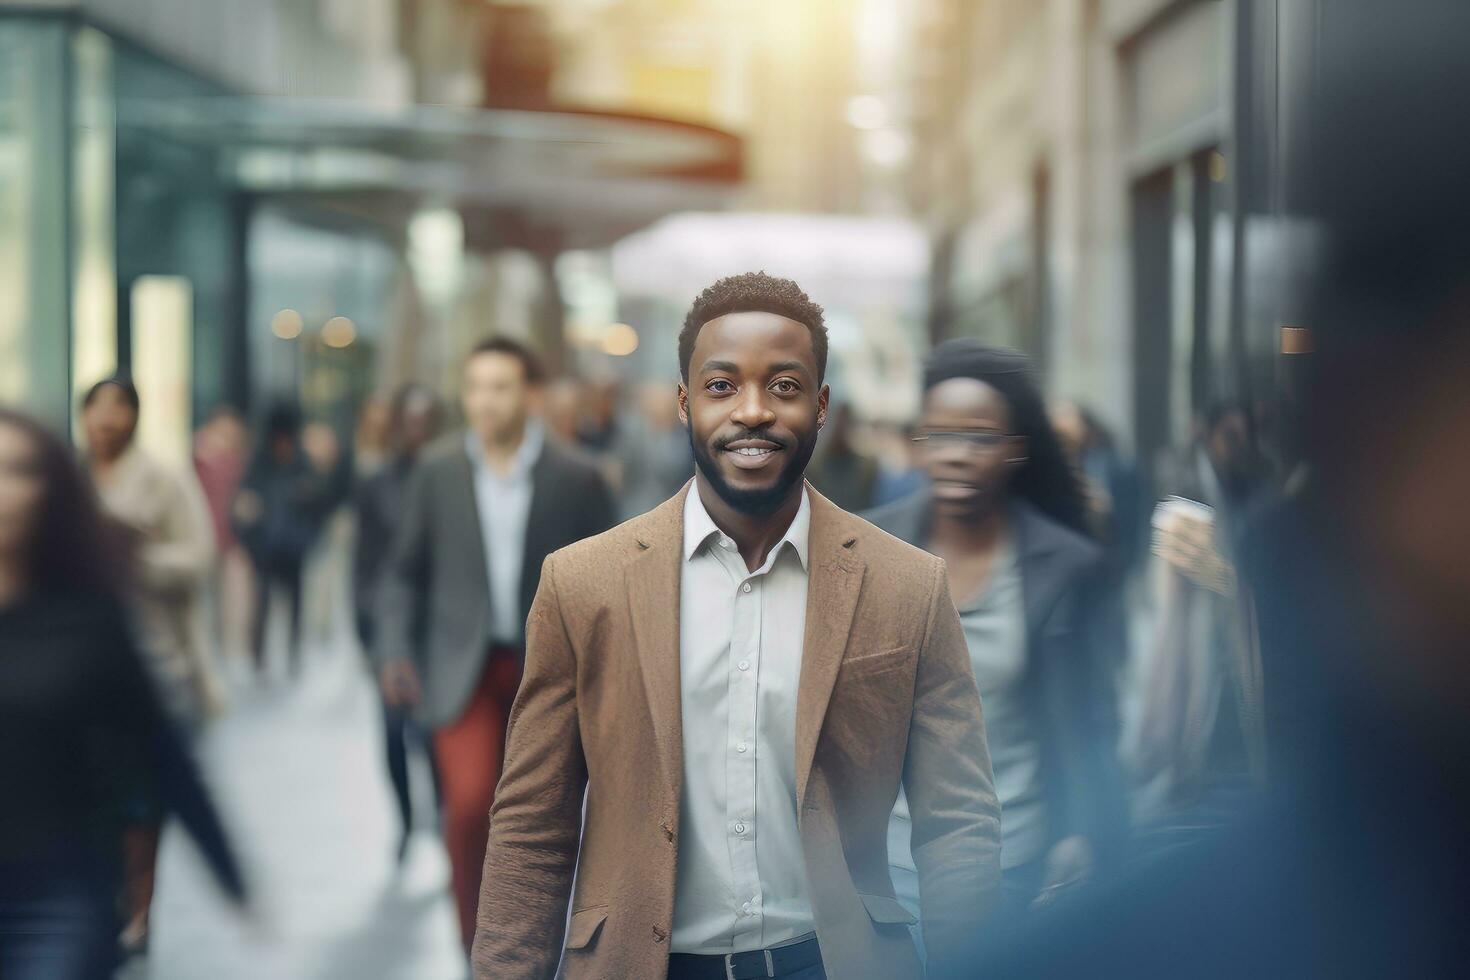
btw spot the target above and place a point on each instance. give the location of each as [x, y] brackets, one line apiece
[767, 436]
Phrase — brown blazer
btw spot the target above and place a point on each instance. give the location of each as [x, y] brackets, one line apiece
[886, 693]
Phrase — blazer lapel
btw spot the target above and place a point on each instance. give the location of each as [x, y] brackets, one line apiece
[540, 532]
[464, 498]
[653, 600]
[1042, 580]
[834, 579]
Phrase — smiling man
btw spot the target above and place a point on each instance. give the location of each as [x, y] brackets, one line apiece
[739, 681]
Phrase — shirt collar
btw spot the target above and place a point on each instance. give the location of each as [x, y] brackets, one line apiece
[699, 527]
[532, 441]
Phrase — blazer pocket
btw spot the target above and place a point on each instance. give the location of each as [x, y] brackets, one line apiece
[586, 924]
[877, 663]
[887, 911]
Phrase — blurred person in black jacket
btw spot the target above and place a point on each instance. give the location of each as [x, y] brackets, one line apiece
[1003, 508]
[83, 735]
[414, 421]
[1354, 864]
[278, 514]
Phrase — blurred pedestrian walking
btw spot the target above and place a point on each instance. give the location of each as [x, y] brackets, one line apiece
[378, 501]
[84, 739]
[165, 515]
[483, 510]
[1200, 749]
[1003, 509]
[165, 511]
[278, 515]
[221, 453]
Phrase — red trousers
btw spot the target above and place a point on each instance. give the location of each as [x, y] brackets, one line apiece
[470, 752]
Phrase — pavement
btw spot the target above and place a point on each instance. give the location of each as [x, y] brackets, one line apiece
[296, 767]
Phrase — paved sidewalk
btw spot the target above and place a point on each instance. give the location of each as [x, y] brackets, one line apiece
[297, 769]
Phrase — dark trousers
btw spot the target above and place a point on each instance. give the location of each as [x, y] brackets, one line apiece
[470, 752]
[57, 922]
[289, 577]
[398, 730]
[814, 972]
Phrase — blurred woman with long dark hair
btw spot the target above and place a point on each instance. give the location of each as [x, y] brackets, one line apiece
[82, 732]
[1003, 508]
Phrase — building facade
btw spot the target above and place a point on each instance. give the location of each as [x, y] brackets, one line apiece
[1100, 181]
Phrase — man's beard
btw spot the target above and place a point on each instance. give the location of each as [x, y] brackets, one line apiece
[758, 503]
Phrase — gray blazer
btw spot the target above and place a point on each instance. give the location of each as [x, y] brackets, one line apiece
[1074, 629]
[434, 600]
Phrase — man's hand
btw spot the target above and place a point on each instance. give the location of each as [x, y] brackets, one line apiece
[400, 683]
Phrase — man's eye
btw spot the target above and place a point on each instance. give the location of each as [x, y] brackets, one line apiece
[719, 386]
[786, 386]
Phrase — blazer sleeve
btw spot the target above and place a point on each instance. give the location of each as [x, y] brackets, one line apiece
[951, 789]
[140, 724]
[404, 584]
[536, 820]
[1078, 654]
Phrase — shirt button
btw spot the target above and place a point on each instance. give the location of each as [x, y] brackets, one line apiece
[743, 665]
[745, 909]
[741, 746]
[745, 587]
[740, 829]
[726, 543]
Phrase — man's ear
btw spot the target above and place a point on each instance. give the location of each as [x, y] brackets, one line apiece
[822, 398]
[683, 403]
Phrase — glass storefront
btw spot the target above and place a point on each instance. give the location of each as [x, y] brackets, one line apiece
[35, 297]
[97, 207]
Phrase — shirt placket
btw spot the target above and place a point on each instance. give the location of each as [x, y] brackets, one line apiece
[740, 806]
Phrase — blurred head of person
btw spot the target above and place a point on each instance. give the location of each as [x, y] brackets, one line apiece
[224, 433]
[561, 407]
[1228, 439]
[374, 425]
[501, 389]
[1070, 426]
[659, 407]
[753, 356]
[602, 404]
[110, 417]
[322, 447]
[282, 434]
[984, 436]
[839, 436]
[53, 538]
[416, 419]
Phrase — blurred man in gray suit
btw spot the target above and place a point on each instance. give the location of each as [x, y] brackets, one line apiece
[483, 510]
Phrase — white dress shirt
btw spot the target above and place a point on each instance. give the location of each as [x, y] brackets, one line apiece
[741, 878]
[503, 501]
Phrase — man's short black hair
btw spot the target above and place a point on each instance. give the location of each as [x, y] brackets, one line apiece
[530, 363]
[754, 292]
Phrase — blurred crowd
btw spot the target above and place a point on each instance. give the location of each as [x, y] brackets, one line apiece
[1108, 748]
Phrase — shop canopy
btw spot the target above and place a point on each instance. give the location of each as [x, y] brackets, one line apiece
[520, 178]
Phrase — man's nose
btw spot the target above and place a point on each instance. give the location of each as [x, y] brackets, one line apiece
[751, 409]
